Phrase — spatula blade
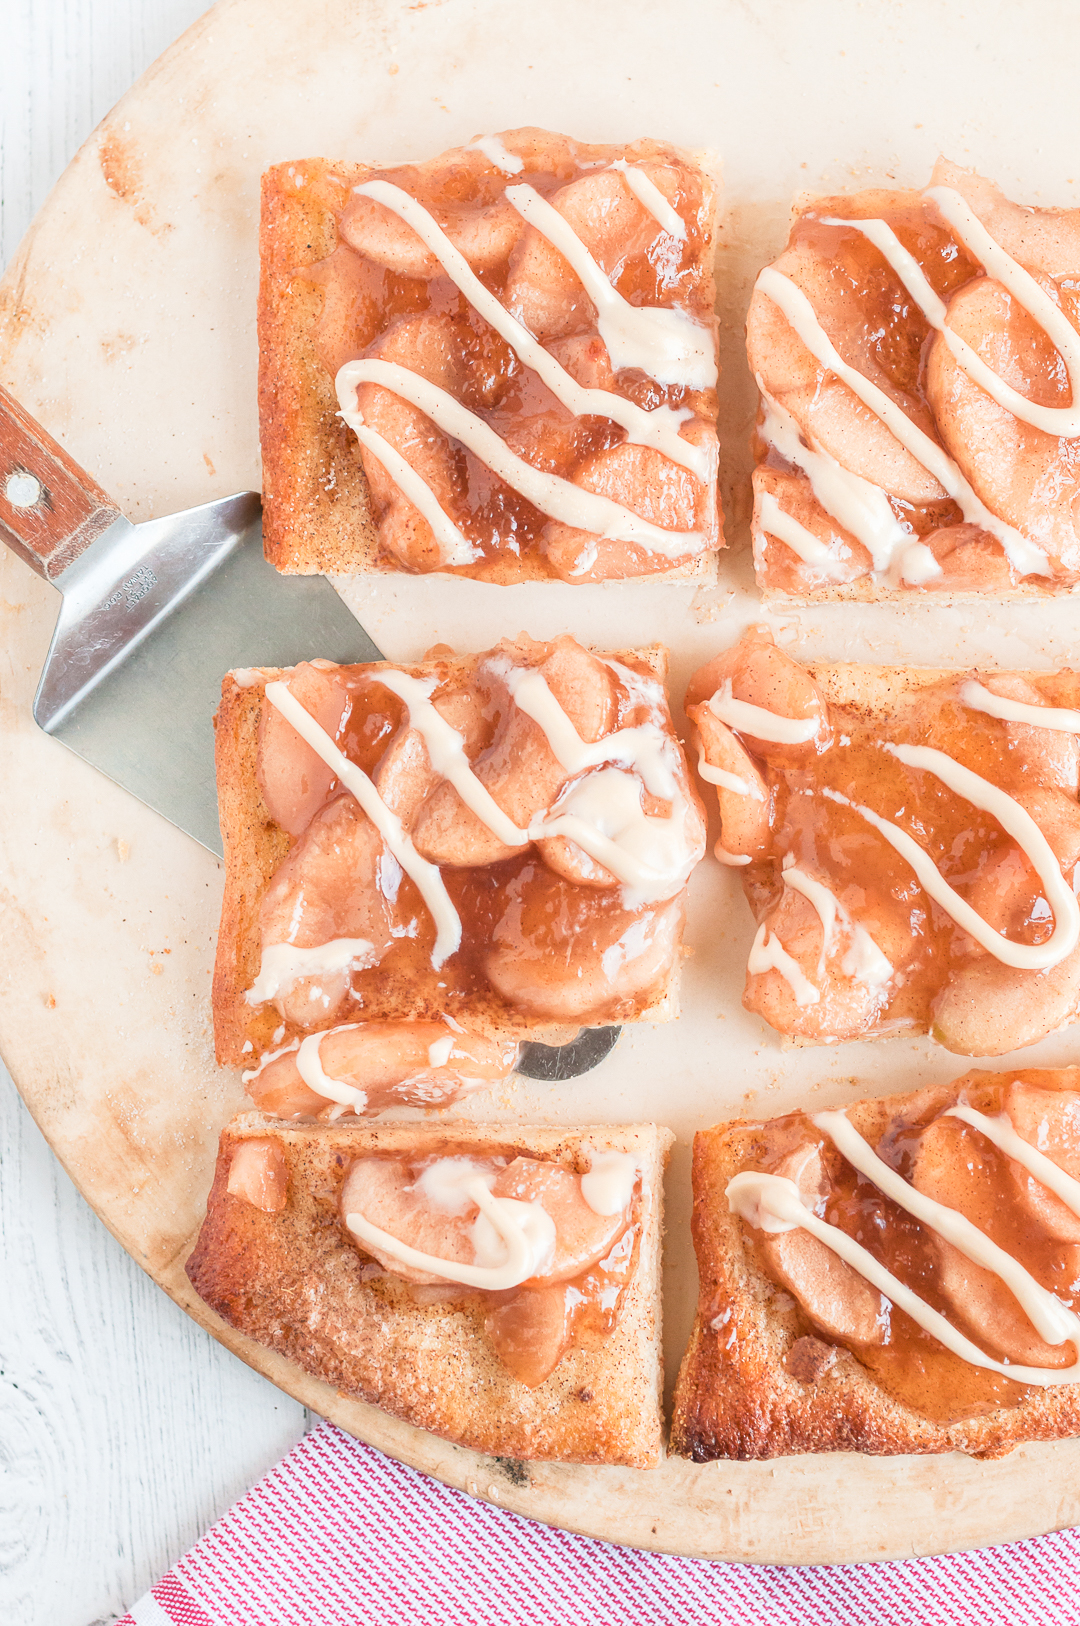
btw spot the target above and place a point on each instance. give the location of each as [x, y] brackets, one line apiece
[147, 721]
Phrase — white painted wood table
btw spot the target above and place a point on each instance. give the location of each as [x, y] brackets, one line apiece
[124, 1429]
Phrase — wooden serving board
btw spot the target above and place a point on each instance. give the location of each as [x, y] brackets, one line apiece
[127, 326]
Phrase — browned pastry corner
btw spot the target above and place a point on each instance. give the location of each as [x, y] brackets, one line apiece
[795, 1350]
[276, 1259]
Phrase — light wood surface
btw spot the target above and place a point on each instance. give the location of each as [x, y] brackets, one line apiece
[138, 352]
[124, 1430]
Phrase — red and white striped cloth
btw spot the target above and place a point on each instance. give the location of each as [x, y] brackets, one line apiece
[338, 1535]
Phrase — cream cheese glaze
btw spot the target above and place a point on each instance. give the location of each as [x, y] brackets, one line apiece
[759, 721]
[1059, 719]
[650, 196]
[664, 343]
[283, 964]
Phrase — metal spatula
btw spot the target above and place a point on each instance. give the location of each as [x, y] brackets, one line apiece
[152, 615]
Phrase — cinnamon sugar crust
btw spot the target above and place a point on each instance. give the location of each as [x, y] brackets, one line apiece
[290, 1278]
[761, 1378]
[323, 300]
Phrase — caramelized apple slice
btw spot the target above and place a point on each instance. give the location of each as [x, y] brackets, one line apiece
[259, 1175]
[762, 675]
[824, 407]
[956, 1167]
[745, 814]
[327, 888]
[834, 1296]
[293, 778]
[386, 1193]
[529, 1332]
[650, 485]
[1050, 1121]
[393, 1063]
[582, 1237]
[554, 956]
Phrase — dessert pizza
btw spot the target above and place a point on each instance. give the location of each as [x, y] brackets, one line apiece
[425, 862]
[500, 363]
[897, 1277]
[908, 841]
[918, 360]
[499, 1286]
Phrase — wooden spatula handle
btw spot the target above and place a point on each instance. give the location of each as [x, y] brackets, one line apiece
[50, 509]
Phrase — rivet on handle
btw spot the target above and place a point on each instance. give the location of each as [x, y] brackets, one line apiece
[23, 490]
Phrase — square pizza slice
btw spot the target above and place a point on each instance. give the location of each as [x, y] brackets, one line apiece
[500, 363]
[918, 358]
[429, 860]
[908, 841]
[496, 1285]
[898, 1277]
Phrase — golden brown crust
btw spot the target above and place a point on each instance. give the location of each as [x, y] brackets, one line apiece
[316, 509]
[291, 1280]
[736, 1395]
[316, 515]
[254, 846]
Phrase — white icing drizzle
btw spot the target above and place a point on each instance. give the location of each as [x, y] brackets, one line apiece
[857, 504]
[497, 153]
[1000, 1130]
[757, 721]
[863, 961]
[651, 198]
[426, 875]
[773, 1203]
[283, 964]
[1019, 824]
[733, 860]
[1050, 1318]
[559, 499]
[439, 1052]
[443, 1183]
[809, 548]
[658, 428]
[309, 1066]
[517, 1240]
[727, 781]
[1034, 299]
[667, 344]
[446, 752]
[1057, 718]
[769, 954]
[1027, 558]
[270, 1055]
[455, 545]
[609, 1184]
[603, 812]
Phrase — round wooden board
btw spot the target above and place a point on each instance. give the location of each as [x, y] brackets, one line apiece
[127, 324]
